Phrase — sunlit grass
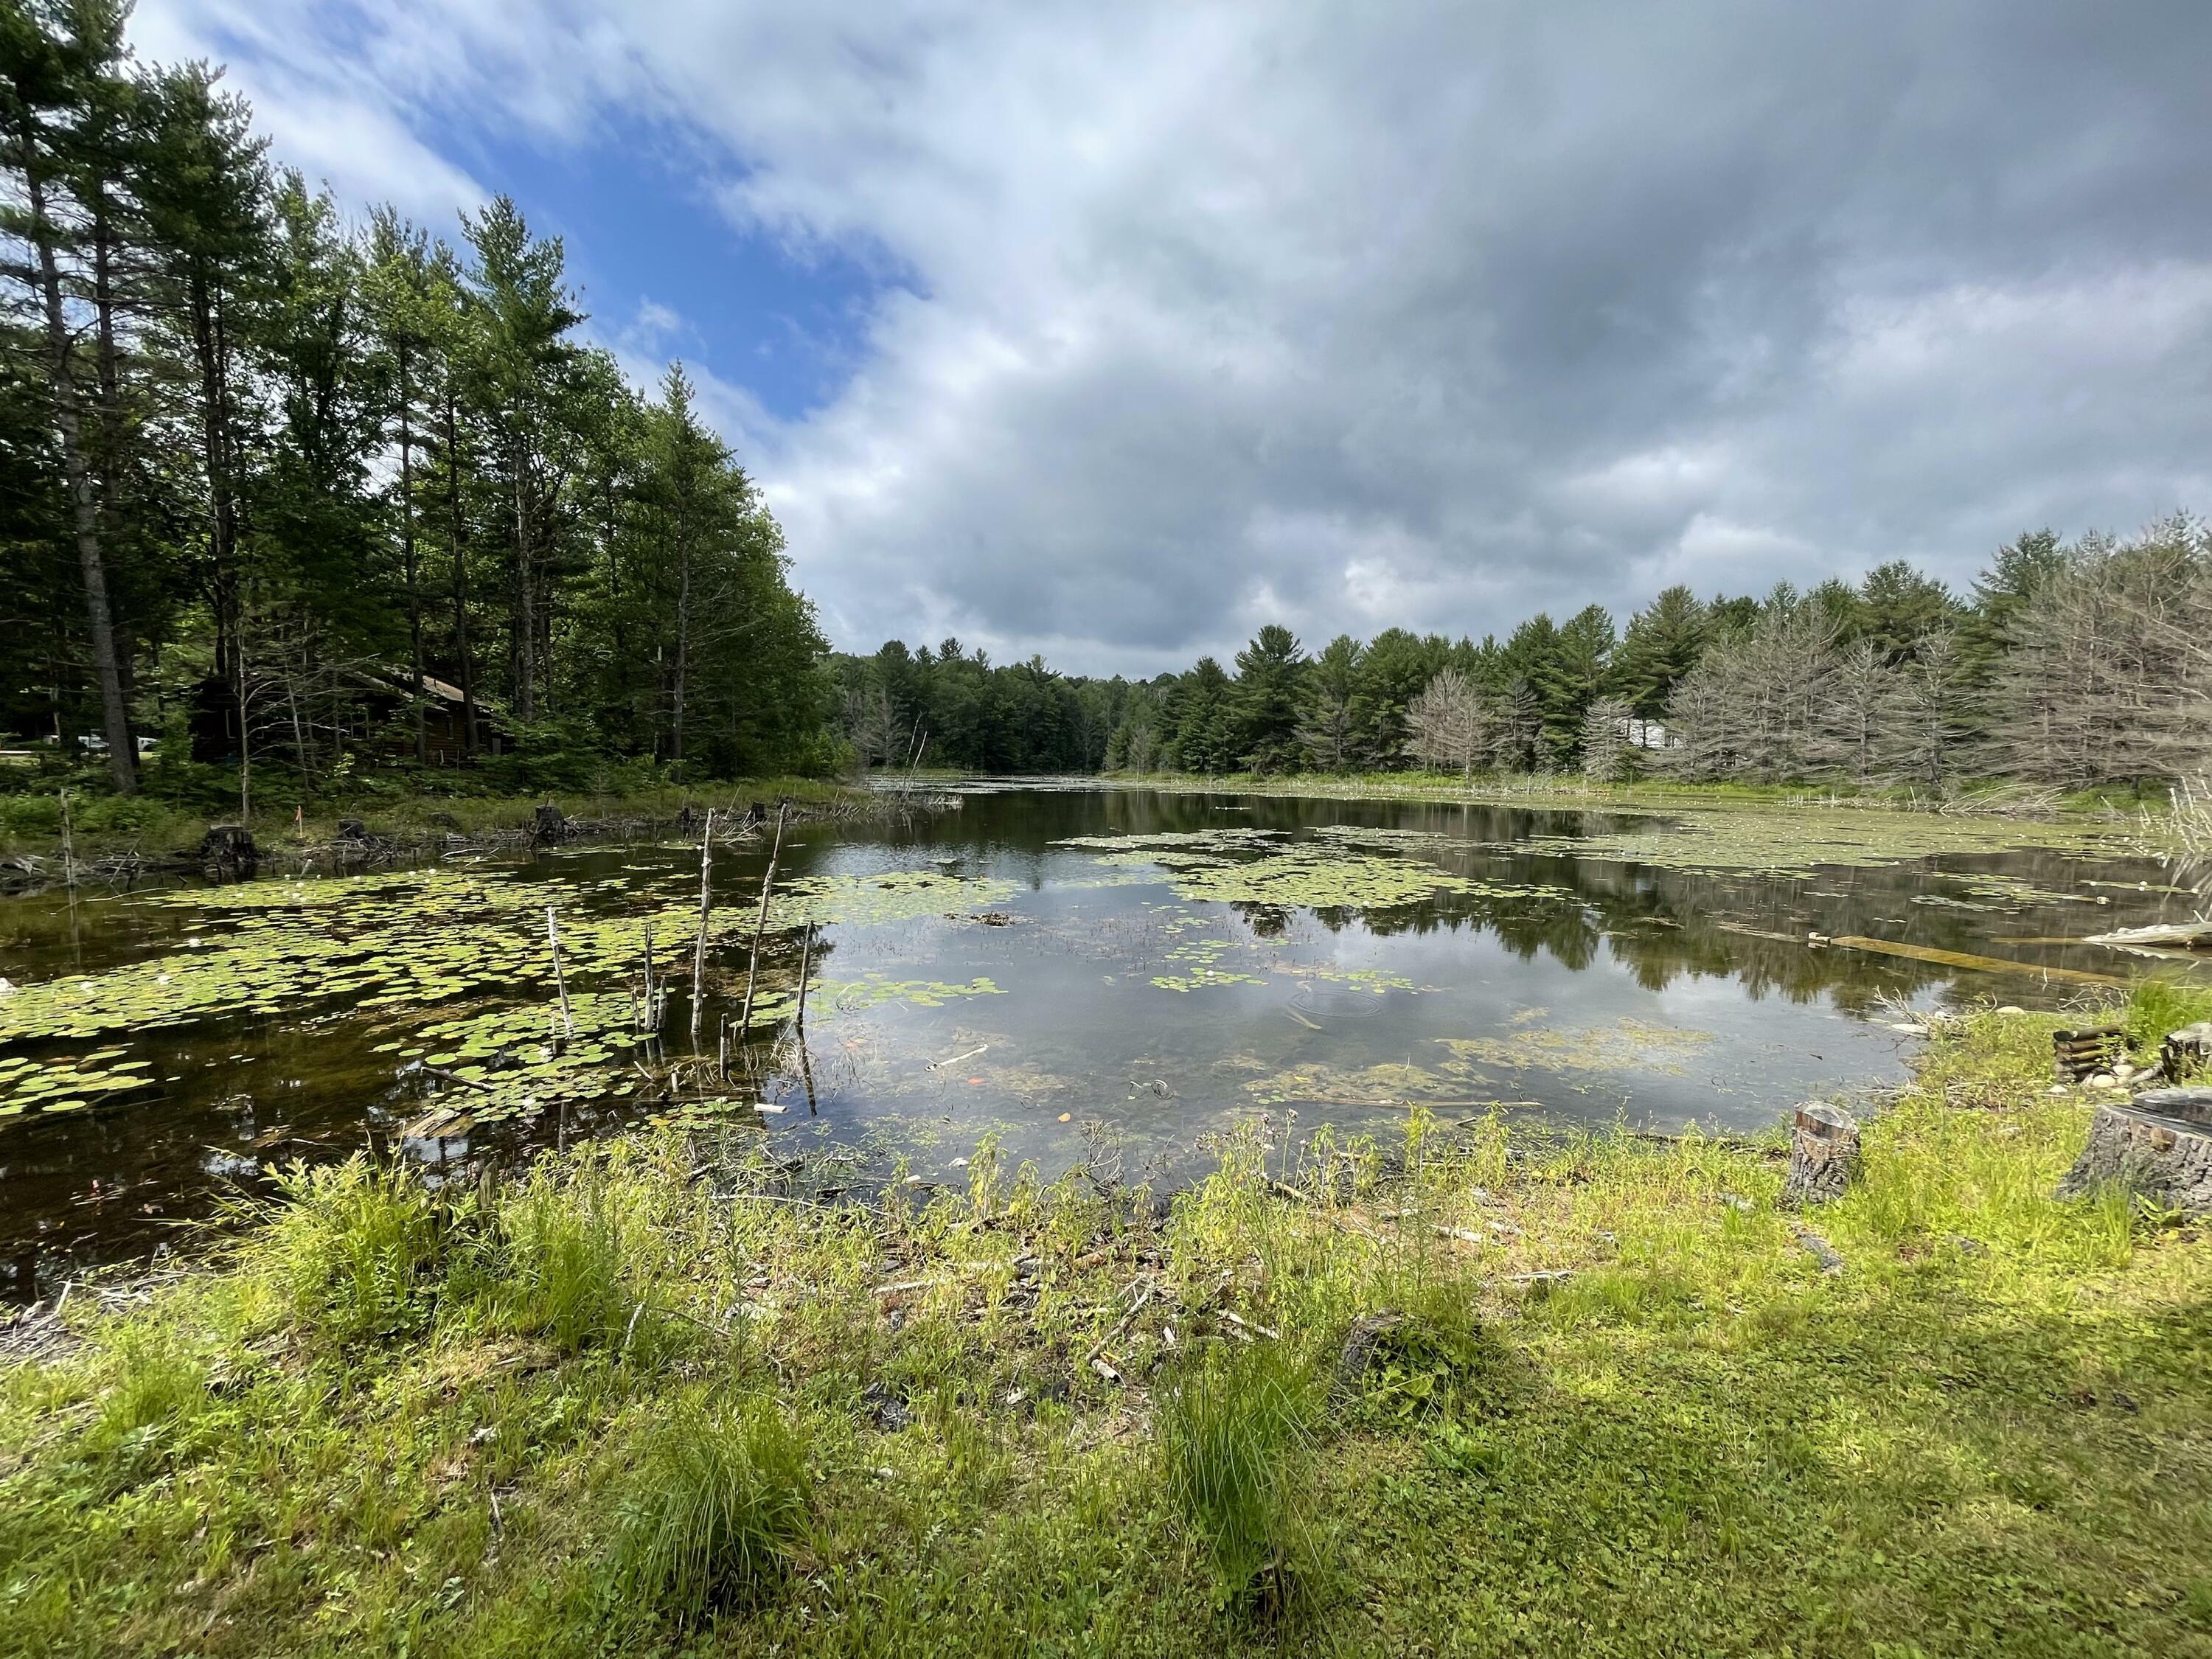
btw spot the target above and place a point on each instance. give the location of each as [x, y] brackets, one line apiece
[1604, 1395]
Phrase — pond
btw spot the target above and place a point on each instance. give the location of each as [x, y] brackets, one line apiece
[1085, 971]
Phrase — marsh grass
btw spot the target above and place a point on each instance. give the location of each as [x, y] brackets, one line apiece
[2163, 1004]
[352, 1248]
[636, 1390]
[562, 1264]
[1236, 1425]
[717, 1508]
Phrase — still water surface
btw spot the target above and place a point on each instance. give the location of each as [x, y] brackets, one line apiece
[1055, 964]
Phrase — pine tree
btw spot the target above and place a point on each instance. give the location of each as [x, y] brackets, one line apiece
[1662, 643]
[1270, 689]
[1336, 712]
[52, 62]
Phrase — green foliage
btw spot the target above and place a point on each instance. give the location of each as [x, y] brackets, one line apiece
[334, 465]
[719, 1502]
[2156, 1006]
[353, 1248]
[564, 1256]
[1235, 1427]
[1992, 1417]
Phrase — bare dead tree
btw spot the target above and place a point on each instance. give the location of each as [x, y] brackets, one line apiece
[1447, 723]
[1855, 705]
[2109, 677]
[1608, 756]
[1929, 715]
[1750, 708]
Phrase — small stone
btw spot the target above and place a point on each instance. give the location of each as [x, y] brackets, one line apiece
[2102, 1080]
[2056, 1089]
[2012, 1008]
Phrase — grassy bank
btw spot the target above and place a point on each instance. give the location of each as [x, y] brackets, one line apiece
[1661, 794]
[640, 1401]
[105, 825]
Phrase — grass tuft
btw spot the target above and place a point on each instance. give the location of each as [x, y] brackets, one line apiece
[565, 1256]
[1235, 1427]
[2160, 1005]
[720, 1500]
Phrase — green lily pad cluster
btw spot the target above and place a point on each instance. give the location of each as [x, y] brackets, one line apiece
[403, 940]
[873, 990]
[1337, 870]
[34, 1088]
[1203, 971]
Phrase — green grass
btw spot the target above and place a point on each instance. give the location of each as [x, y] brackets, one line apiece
[719, 1503]
[618, 1405]
[1234, 1424]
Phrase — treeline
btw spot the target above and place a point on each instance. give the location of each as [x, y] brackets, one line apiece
[299, 496]
[948, 706]
[2067, 665]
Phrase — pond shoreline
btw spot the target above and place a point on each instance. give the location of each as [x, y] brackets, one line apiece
[1373, 1396]
[419, 826]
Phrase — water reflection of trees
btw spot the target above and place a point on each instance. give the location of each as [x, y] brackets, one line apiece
[1756, 928]
[1662, 923]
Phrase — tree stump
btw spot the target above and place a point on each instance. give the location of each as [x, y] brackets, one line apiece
[353, 830]
[547, 826]
[228, 849]
[1824, 1154]
[2186, 1051]
[2158, 1145]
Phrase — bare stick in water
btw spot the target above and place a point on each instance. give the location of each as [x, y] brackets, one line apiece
[651, 1019]
[806, 955]
[560, 979]
[760, 923]
[706, 902]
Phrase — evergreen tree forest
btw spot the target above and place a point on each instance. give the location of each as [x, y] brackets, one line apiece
[290, 502]
[2068, 666]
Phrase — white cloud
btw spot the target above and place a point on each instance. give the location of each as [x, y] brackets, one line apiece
[1384, 314]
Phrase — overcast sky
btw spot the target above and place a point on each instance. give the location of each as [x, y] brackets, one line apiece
[1112, 332]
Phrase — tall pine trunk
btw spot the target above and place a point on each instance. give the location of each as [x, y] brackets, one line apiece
[115, 715]
[682, 649]
[407, 553]
[460, 571]
[525, 607]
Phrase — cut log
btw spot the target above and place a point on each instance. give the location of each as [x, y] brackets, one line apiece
[2158, 1145]
[1824, 1154]
[1964, 959]
[2193, 935]
[2078, 1054]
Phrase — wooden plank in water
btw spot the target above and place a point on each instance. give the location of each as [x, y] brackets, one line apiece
[1962, 959]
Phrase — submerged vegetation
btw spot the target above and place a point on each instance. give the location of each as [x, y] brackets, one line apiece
[1466, 1388]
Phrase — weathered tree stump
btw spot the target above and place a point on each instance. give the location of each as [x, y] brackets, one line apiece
[1824, 1154]
[547, 825]
[1369, 1334]
[228, 849]
[2187, 1052]
[353, 830]
[2159, 1144]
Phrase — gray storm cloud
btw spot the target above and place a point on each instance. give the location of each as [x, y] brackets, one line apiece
[1431, 316]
